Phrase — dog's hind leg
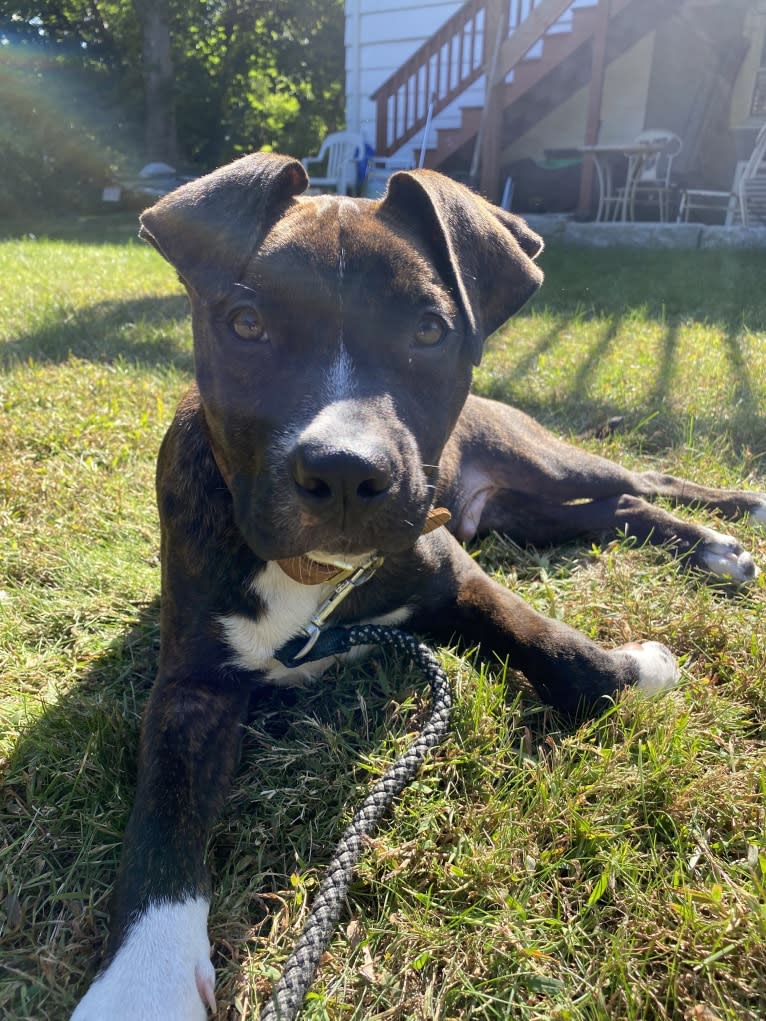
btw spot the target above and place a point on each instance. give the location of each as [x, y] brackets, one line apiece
[503, 471]
[731, 503]
[497, 447]
[530, 521]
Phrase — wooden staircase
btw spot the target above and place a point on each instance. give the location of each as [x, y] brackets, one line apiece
[494, 38]
[527, 74]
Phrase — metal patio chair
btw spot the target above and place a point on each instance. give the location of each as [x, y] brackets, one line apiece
[649, 177]
[745, 203]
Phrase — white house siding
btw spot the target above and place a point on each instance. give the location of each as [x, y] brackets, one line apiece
[382, 34]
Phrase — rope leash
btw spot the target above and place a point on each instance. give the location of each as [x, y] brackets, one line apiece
[299, 971]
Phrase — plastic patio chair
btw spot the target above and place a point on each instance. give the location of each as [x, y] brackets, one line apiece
[746, 202]
[338, 156]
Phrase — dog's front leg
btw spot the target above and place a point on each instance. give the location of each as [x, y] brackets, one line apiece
[566, 668]
[157, 965]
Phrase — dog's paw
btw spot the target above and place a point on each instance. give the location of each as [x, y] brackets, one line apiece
[161, 972]
[758, 514]
[724, 557]
[657, 667]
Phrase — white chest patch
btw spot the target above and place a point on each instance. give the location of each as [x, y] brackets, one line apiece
[288, 607]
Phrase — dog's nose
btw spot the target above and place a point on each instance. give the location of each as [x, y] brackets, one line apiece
[350, 481]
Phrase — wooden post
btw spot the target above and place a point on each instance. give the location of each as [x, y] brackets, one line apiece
[490, 130]
[595, 96]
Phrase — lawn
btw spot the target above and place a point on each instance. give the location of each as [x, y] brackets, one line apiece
[536, 870]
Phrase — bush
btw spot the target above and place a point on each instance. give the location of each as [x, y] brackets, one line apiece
[62, 135]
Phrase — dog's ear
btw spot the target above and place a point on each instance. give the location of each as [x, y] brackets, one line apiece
[207, 229]
[483, 252]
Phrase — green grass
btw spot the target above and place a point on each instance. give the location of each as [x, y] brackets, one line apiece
[616, 870]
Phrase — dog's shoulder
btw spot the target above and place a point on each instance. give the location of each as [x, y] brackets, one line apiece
[185, 465]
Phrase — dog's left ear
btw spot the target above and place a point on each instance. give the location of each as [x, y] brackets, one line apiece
[484, 252]
[207, 229]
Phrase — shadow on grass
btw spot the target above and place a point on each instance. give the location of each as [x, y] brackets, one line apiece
[723, 287]
[110, 331]
[598, 350]
[745, 394]
[527, 362]
[654, 421]
[668, 354]
[649, 428]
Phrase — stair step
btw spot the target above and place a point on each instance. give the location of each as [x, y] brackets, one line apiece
[531, 73]
[526, 74]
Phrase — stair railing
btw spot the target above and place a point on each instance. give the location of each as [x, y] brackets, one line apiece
[443, 67]
[449, 62]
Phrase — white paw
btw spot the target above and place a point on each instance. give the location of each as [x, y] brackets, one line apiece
[657, 667]
[758, 514]
[161, 972]
[723, 555]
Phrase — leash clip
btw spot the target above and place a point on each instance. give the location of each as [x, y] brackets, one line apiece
[345, 586]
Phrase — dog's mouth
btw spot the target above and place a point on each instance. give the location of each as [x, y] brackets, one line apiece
[343, 561]
[333, 551]
[319, 566]
[289, 534]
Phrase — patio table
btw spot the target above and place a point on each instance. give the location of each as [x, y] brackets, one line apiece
[603, 157]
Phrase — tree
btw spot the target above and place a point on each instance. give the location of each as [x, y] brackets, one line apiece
[225, 76]
[160, 141]
[257, 74]
[63, 108]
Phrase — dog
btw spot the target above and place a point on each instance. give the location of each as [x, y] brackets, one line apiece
[334, 342]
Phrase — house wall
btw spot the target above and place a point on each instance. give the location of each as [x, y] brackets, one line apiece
[701, 61]
[626, 85]
[694, 75]
[676, 78]
[380, 36]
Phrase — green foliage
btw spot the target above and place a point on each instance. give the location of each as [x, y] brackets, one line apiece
[258, 76]
[58, 144]
[248, 76]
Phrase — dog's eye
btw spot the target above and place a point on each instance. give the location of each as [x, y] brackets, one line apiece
[431, 330]
[247, 324]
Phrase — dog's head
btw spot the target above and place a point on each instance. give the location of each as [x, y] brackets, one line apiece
[334, 341]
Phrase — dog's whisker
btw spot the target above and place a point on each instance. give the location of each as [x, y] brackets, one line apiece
[245, 287]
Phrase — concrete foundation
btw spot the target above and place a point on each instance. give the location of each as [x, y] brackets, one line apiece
[562, 229]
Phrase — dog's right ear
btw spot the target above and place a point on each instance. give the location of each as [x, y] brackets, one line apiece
[485, 253]
[207, 229]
